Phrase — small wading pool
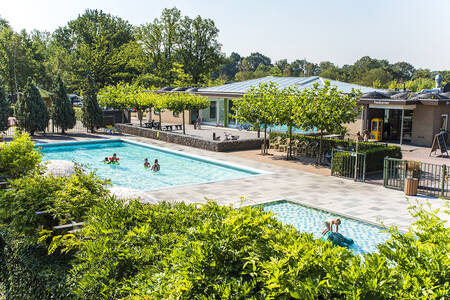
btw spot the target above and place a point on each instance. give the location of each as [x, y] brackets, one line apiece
[305, 219]
[177, 169]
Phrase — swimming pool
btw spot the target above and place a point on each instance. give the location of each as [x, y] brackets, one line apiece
[305, 219]
[177, 169]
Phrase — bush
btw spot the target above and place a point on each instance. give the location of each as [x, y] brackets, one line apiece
[178, 251]
[59, 199]
[27, 272]
[19, 157]
[375, 152]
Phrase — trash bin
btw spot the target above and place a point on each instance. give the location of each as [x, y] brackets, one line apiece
[411, 185]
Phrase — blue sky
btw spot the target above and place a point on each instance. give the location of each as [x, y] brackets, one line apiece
[416, 31]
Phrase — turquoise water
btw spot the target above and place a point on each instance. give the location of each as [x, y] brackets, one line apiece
[306, 219]
[176, 169]
[284, 129]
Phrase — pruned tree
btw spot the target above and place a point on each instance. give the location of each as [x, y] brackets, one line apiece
[30, 110]
[62, 112]
[327, 110]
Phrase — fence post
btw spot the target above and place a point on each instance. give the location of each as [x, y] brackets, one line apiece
[444, 171]
[364, 168]
[385, 170]
[405, 174]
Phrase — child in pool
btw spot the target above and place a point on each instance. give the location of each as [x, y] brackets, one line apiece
[114, 158]
[156, 167]
[329, 225]
[106, 160]
[146, 163]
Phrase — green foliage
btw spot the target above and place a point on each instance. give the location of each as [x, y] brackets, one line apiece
[92, 114]
[375, 152]
[59, 199]
[183, 251]
[27, 272]
[30, 110]
[62, 111]
[19, 157]
[5, 110]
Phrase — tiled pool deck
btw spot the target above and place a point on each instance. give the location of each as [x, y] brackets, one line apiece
[366, 202]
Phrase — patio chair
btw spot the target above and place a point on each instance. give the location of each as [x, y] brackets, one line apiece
[295, 147]
[275, 143]
[112, 130]
[284, 146]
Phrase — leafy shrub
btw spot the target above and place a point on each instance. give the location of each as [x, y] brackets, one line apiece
[27, 272]
[59, 199]
[172, 251]
[19, 157]
[375, 156]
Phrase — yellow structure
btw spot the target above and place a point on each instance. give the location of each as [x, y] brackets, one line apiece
[376, 129]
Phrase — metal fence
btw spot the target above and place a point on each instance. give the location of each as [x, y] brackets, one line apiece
[52, 128]
[343, 164]
[433, 179]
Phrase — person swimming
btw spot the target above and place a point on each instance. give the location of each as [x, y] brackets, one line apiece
[156, 167]
[329, 225]
[146, 163]
[105, 161]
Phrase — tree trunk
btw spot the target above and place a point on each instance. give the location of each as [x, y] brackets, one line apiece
[63, 131]
[265, 138]
[259, 131]
[289, 153]
[184, 132]
[320, 147]
[140, 116]
[160, 125]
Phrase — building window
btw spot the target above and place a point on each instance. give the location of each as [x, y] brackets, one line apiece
[212, 110]
[176, 114]
[156, 112]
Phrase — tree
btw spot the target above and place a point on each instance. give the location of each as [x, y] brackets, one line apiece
[5, 110]
[257, 106]
[96, 42]
[180, 102]
[92, 114]
[326, 109]
[199, 49]
[30, 110]
[255, 59]
[159, 41]
[62, 112]
[16, 64]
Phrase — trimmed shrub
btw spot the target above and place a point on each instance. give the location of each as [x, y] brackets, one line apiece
[375, 156]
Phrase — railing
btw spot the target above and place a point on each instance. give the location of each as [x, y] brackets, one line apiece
[52, 128]
[343, 164]
[433, 179]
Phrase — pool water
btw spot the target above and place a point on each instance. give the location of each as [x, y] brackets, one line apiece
[306, 219]
[176, 169]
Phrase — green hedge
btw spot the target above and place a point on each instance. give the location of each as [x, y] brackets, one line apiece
[375, 152]
[27, 272]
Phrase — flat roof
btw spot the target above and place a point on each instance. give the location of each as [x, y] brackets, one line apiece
[240, 88]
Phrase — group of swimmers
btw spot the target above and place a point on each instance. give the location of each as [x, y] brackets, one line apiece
[155, 168]
[115, 160]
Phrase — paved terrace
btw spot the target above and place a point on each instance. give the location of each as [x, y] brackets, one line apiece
[368, 202]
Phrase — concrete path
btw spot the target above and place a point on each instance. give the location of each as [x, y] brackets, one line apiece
[367, 202]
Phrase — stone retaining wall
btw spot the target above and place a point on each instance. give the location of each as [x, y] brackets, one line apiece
[178, 138]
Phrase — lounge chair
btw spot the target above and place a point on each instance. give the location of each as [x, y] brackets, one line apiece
[230, 137]
[275, 144]
[284, 146]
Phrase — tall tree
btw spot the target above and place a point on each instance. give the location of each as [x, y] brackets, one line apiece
[5, 110]
[92, 114]
[16, 64]
[199, 48]
[159, 41]
[62, 112]
[255, 59]
[96, 41]
[30, 110]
